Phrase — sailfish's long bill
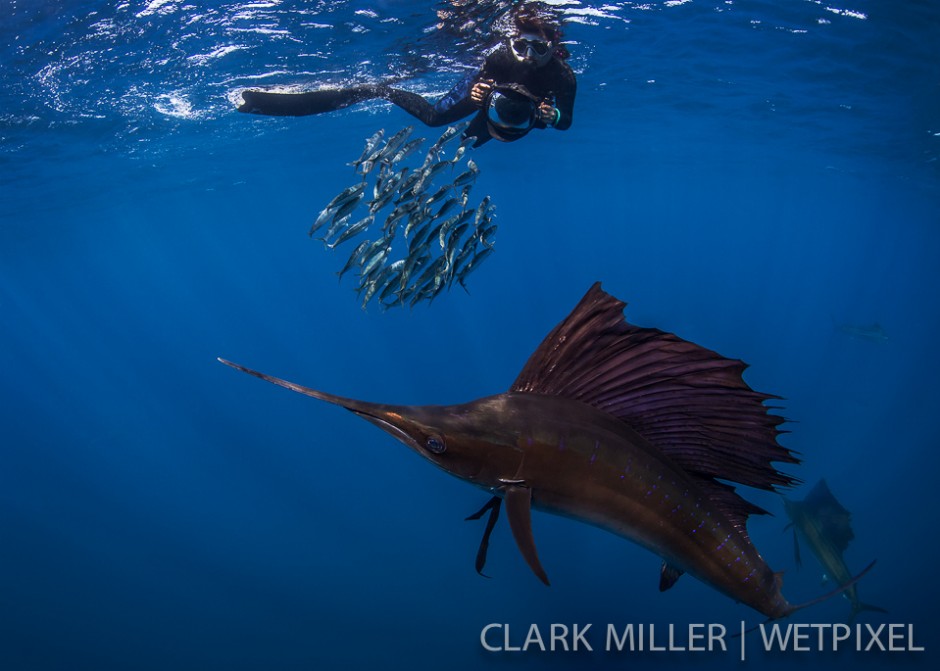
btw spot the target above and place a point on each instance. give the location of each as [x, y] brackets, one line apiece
[630, 429]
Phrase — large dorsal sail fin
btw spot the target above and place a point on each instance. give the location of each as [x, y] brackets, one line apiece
[834, 521]
[688, 401]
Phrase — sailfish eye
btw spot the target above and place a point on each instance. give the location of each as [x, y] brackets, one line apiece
[435, 444]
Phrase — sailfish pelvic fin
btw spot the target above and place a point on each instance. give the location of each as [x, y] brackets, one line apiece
[668, 575]
[519, 509]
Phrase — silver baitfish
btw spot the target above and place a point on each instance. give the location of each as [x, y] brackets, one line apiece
[443, 231]
[403, 210]
[472, 265]
[465, 178]
[370, 289]
[469, 247]
[446, 207]
[335, 227]
[342, 198]
[371, 144]
[413, 262]
[416, 218]
[395, 142]
[407, 150]
[353, 230]
[440, 193]
[387, 182]
[407, 183]
[446, 225]
[483, 210]
[428, 175]
[344, 212]
[370, 263]
[486, 232]
[347, 194]
[449, 134]
[322, 218]
[466, 142]
[453, 239]
[354, 258]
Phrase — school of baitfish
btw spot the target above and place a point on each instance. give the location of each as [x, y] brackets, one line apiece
[443, 236]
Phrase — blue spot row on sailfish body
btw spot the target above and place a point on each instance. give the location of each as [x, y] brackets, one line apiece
[391, 268]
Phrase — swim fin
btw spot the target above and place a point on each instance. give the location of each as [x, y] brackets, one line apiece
[305, 103]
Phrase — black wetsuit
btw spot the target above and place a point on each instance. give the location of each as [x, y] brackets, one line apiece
[554, 81]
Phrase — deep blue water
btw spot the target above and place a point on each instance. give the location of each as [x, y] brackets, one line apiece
[751, 175]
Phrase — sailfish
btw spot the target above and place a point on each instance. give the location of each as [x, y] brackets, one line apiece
[826, 526]
[627, 428]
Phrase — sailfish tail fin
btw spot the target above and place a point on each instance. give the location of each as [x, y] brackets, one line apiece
[860, 607]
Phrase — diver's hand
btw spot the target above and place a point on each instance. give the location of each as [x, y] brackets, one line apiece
[480, 91]
[548, 113]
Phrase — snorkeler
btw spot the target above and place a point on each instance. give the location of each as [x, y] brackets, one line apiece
[524, 83]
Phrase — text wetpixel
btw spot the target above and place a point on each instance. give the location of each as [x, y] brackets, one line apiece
[861, 637]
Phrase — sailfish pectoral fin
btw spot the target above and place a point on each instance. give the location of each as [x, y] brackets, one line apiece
[493, 505]
[519, 510]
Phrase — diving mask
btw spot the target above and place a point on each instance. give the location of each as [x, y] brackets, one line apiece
[531, 48]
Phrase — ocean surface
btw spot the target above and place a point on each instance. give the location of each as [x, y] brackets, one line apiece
[761, 178]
